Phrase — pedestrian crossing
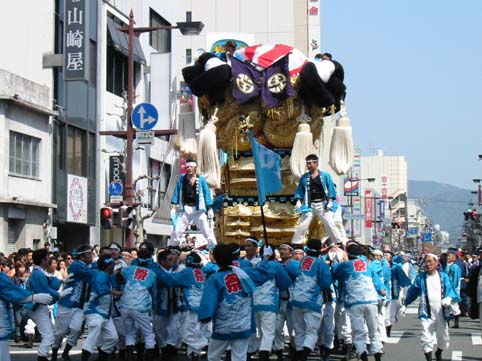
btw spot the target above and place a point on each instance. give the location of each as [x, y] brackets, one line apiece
[457, 356]
[395, 337]
[476, 338]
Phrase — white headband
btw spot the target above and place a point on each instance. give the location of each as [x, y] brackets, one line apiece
[86, 251]
[191, 164]
[431, 255]
[252, 240]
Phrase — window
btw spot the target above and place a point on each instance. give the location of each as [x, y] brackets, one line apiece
[158, 186]
[117, 63]
[116, 72]
[24, 155]
[91, 157]
[188, 56]
[60, 146]
[160, 39]
[75, 151]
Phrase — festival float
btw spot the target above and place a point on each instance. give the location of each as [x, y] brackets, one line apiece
[283, 98]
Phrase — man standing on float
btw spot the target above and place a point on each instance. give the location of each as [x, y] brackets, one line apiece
[193, 197]
[316, 196]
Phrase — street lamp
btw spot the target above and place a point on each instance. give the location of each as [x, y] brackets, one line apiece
[186, 28]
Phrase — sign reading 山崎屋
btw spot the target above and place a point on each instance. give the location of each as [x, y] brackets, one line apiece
[74, 40]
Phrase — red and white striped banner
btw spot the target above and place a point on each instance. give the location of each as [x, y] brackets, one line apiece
[265, 55]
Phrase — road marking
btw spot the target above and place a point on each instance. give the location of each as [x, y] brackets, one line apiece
[395, 337]
[457, 356]
[476, 338]
[34, 352]
[411, 310]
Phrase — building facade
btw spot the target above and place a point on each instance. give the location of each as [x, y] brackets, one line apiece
[26, 117]
[387, 193]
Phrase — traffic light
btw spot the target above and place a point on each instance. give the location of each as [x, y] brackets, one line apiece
[126, 216]
[106, 217]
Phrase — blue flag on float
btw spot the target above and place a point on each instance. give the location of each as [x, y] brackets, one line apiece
[267, 165]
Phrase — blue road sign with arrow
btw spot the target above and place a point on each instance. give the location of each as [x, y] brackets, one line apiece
[144, 116]
[115, 188]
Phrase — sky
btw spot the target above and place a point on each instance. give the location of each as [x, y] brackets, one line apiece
[413, 70]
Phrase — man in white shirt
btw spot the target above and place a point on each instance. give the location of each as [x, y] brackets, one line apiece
[435, 292]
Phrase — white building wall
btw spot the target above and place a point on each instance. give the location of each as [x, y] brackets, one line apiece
[269, 21]
[27, 29]
[25, 107]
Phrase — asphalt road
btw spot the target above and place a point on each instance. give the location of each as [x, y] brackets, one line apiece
[403, 345]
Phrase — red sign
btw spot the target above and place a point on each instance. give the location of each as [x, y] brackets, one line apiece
[307, 264]
[313, 10]
[368, 208]
[141, 274]
[360, 266]
[198, 275]
[232, 283]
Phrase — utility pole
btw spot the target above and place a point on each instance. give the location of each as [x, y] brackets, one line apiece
[186, 28]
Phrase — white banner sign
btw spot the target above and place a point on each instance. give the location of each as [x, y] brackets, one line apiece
[76, 199]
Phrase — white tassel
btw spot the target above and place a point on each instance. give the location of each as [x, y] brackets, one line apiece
[207, 154]
[342, 148]
[185, 141]
[302, 146]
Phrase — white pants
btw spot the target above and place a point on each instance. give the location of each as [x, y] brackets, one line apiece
[284, 315]
[194, 333]
[266, 322]
[69, 322]
[42, 318]
[480, 314]
[166, 329]
[306, 324]
[326, 333]
[4, 353]
[239, 349]
[438, 324]
[133, 318]
[325, 216]
[359, 314]
[382, 309]
[121, 332]
[199, 218]
[342, 323]
[101, 332]
[342, 232]
[394, 308]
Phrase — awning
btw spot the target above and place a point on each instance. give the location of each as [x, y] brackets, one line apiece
[120, 41]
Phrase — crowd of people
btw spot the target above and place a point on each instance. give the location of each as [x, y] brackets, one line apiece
[324, 297]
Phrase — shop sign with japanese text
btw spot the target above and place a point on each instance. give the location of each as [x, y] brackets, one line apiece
[74, 40]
